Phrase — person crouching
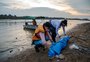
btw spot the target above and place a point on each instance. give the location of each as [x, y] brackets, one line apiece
[41, 36]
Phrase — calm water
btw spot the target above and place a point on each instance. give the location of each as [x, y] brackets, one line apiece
[13, 38]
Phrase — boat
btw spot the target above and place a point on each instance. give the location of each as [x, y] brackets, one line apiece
[32, 27]
[29, 25]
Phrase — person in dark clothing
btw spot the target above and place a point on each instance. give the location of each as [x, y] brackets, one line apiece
[57, 24]
[51, 31]
[34, 22]
[26, 23]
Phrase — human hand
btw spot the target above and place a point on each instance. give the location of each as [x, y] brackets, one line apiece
[45, 43]
[64, 34]
[58, 36]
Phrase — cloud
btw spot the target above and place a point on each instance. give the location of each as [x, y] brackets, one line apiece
[18, 6]
[61, 5]
[3, 4]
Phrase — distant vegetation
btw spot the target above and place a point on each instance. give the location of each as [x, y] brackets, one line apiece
[9, 16]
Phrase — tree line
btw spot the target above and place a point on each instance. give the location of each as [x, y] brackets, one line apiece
[9, 16]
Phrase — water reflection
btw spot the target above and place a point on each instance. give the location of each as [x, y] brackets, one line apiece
[13, 38]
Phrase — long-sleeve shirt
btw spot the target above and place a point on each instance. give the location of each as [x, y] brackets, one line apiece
[56, 24]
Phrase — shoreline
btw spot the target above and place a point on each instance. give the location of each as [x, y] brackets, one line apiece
[82, 31]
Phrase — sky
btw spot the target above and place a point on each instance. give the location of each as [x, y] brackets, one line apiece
[58, 8]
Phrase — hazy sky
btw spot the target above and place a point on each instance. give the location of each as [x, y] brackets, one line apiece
[72, 8]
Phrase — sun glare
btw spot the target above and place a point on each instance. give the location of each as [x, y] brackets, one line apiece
[61, 5]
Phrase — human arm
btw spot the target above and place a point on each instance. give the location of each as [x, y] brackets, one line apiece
[57, 29]
[49, 36]
[64, 32]
[42, 36]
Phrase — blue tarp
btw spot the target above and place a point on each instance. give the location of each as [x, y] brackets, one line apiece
[55, 48]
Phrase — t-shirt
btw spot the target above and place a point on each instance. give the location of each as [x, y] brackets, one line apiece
[38, 30]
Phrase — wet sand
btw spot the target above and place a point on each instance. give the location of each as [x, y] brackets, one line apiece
[81, 36]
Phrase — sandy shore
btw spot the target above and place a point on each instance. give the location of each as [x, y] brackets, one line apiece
[81, 35]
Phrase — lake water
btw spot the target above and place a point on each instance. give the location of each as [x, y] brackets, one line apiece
[14, 39]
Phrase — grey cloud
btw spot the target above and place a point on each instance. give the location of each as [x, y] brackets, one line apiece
[7, 4]
[82, 6]
[39, 11]
[3, 4]
[85, 10]
[79, 4]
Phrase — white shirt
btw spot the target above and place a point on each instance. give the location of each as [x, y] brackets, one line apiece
[56, 23]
